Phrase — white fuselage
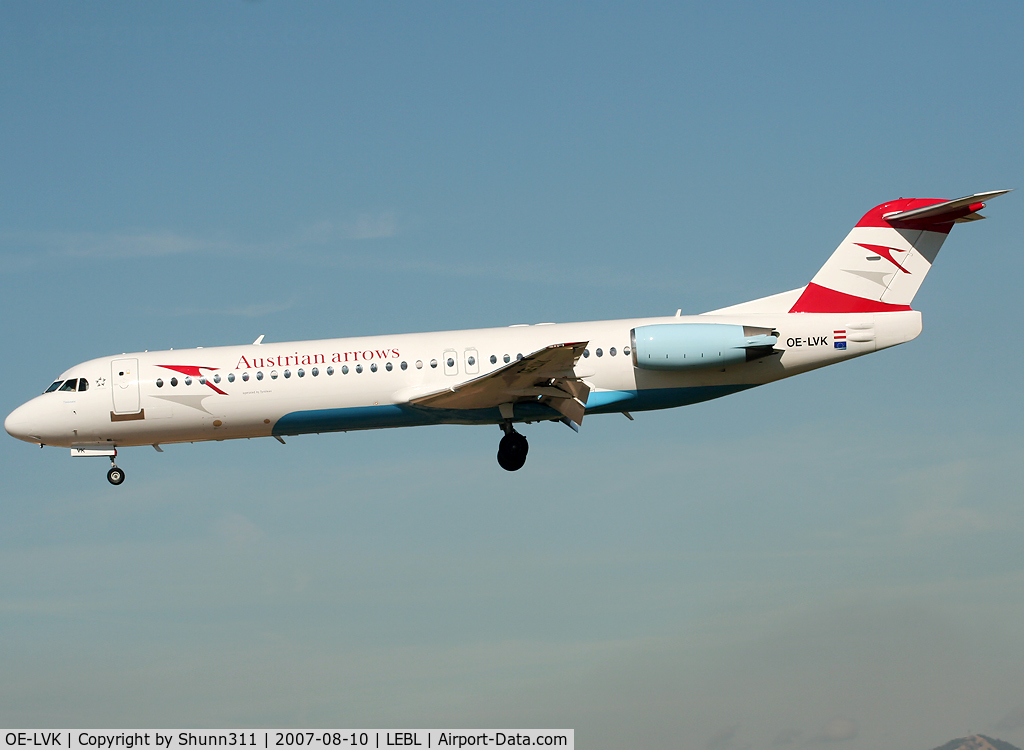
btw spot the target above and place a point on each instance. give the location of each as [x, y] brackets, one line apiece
[296, 387]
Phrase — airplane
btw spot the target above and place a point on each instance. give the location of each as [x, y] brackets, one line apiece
[857, 303]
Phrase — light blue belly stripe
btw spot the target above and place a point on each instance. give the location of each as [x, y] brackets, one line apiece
[600, 402]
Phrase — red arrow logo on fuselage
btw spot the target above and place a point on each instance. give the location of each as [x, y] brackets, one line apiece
[193, 370]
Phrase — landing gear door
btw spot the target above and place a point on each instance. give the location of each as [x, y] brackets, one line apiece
[124, 377]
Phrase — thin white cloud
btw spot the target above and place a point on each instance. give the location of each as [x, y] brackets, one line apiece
[325, 243]
[945, 499]
[236, 530]
[723, 739]
[317, 233]
[787, 736]
[838, 729]
[518, 271]
[1012, 721]
[111, 245]
[21, 250]
[944, 520]
[373, 226]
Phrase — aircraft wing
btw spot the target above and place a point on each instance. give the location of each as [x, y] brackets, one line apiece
[547, 376]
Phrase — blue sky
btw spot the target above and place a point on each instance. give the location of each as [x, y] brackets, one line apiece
[831, 561]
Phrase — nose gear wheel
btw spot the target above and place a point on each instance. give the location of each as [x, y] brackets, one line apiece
[116, 475]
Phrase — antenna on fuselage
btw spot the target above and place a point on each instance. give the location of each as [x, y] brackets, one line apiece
[259, 340]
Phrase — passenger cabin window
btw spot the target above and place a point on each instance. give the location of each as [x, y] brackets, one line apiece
[53, 386]
[70, 385]
[494, 360]
[231, 377]
[159, 382]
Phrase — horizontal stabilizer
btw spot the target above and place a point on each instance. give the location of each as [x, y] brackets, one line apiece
[961, 209]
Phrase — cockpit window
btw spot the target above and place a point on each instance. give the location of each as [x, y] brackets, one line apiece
[70, 385]
[54, 386]
[83, 385]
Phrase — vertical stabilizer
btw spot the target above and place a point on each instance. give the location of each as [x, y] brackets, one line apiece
[880, 265]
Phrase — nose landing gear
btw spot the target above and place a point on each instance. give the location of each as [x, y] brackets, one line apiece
[115, 476]
[512, 449]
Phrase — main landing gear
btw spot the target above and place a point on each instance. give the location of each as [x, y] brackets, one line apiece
[512, 449]
[115, 476]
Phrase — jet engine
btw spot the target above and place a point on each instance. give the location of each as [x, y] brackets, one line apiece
[689, 346]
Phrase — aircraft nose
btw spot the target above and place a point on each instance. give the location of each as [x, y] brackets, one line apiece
[19, 423]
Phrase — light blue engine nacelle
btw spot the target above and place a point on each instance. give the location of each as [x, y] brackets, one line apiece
[688, 346]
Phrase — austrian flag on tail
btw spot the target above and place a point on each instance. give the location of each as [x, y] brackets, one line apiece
[840, 338]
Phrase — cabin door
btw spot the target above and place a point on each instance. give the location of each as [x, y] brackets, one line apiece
[124, 377]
